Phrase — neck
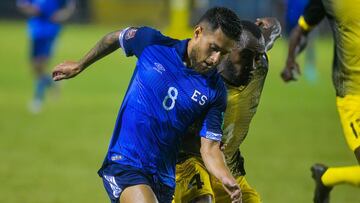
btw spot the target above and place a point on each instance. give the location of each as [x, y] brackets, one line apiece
[233, 78]
[227, 79]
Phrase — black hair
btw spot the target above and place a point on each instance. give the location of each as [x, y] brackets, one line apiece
[252, 28]
[225, 19]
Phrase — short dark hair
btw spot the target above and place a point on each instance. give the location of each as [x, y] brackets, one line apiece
[252, 28]
[225, 19]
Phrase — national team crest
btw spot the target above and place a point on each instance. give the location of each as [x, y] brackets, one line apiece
[130, 33]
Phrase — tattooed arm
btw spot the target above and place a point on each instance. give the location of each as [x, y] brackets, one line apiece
[68, 69]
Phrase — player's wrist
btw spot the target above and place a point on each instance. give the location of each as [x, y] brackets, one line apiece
[33, 11]
[227, 179]
[80, 66]
[290, 61]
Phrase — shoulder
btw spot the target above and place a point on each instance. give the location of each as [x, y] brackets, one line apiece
[135, 39]
[149, 35]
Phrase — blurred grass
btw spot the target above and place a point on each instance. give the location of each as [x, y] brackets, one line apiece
[53, 157]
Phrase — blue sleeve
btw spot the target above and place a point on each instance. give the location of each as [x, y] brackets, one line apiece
[134, 40]
[213, 122]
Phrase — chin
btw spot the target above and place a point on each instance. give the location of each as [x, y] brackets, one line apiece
[203, 72]
[201, 69]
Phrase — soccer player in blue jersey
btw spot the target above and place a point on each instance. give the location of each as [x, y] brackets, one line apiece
[174, 83]
[45, 18]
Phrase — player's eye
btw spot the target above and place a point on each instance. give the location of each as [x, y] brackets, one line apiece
[215, 48]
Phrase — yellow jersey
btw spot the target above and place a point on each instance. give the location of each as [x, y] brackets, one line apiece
[344, 18]
[242, 103]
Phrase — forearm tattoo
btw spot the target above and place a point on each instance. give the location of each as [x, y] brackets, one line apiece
[108, 44]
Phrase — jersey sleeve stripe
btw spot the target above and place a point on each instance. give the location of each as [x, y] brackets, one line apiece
[303, 24]
[121, 38]
[213, 136]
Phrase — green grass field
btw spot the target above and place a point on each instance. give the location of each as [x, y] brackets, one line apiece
[53, 157]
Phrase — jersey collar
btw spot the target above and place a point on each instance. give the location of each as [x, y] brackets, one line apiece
[181, 48]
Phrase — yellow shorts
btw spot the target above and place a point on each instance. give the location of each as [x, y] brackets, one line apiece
[193, 180]
[349, 111]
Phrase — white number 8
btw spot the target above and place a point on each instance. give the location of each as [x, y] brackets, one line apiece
[172, 94]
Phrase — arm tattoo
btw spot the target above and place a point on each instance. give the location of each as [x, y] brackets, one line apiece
[108, 44]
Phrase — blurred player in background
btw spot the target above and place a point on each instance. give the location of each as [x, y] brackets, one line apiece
[294, 9]
[344, 21]
[244, 72]
[44, 25]
[175, 82]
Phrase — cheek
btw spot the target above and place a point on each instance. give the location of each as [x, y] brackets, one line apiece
[203, 49]
[237, 70]
[235, 57]
[202, 54]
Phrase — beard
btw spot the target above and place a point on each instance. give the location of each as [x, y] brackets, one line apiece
[235, 76]
[196, 64]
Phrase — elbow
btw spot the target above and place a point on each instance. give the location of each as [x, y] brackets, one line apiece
[208, 147]
[300, 32]
[207, 154]
[112, 39]
[204, 150]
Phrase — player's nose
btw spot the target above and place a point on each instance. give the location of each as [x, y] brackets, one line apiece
[215, 58]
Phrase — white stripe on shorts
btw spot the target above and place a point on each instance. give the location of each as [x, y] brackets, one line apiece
[114, 186]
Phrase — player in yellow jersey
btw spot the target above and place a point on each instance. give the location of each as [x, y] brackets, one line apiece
[344, 18]
[244, 73]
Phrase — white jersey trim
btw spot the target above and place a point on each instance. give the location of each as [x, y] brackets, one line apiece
[213, 136]
[114, 186]
[121, 38]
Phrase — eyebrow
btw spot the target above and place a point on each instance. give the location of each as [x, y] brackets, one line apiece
[219, 48]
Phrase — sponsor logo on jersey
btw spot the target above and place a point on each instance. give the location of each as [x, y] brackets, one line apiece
[159, 68]
[116, 157]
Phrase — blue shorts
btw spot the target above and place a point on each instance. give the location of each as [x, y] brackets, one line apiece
[42, 47]
[117, 177]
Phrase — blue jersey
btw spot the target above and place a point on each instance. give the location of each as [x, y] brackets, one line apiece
[163, 98]
[41, 26]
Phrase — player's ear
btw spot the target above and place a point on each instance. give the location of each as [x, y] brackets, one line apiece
[198, 31]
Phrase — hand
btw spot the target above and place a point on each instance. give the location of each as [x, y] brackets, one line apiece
[66, 70]
[271, 30]
[232, 188]
[58, 17]
[28, 9]
[266, 22]
[291, 71]
[262, 22]
[64, 14]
